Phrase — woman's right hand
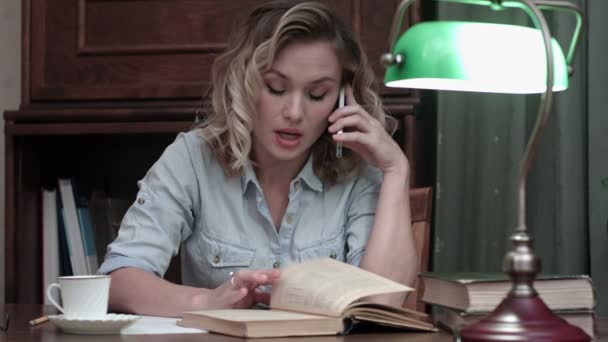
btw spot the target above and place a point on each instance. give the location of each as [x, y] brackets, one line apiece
[241, 291]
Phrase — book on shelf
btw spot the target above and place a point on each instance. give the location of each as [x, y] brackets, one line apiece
[88, 239]
[454, 320]
[82, 196]
[51, 261]
[319, 297]
[87, 221]
[482, 292]
[72, 227]
[64, 252]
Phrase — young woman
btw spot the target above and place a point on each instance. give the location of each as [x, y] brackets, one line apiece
[257, 186]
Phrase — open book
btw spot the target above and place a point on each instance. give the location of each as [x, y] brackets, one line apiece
[321, 297]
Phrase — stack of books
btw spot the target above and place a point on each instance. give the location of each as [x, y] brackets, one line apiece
[462, 298]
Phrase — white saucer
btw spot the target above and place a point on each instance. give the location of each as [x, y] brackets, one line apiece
[109, 325]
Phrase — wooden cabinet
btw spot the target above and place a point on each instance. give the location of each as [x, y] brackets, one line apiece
[107, 84]
[99, 50]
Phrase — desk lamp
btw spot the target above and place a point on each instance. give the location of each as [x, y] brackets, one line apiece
[486, 57]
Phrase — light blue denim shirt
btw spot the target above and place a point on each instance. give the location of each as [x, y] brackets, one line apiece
[223, 223]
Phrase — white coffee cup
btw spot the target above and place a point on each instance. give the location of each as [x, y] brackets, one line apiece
[83, 297]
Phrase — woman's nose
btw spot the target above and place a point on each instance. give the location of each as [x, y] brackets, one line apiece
[294, 109]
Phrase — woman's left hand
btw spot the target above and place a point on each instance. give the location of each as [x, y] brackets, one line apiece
[365, 135]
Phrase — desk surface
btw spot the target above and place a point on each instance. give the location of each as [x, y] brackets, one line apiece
[19, 330]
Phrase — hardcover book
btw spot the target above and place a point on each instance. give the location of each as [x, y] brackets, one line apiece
[455, 320]
[320, 297]
[72, 228]
[482, 292]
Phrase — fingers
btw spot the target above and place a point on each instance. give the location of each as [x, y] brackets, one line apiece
[252, 279]
[357, 125]
[247, 279]
[352, 122]
[241, 289]
[356, 116]
[224, 297]
[237, 295]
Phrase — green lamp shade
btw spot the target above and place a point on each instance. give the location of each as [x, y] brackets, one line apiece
[469, 56]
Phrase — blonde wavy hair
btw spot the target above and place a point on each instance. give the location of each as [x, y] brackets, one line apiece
[252, 49]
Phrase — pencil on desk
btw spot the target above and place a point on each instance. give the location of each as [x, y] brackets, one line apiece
[39, 320]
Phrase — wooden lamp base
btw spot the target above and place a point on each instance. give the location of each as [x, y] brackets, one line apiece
[525, 318]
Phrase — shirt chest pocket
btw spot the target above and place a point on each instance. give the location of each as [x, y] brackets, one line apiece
[219, 257]
[219, 253]
[334, 248]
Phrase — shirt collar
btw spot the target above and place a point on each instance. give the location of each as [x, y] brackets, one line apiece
[307, 175]
[248, 177]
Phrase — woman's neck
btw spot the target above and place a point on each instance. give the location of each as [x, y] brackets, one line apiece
[273, 174]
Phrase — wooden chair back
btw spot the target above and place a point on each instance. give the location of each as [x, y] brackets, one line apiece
[421, 202]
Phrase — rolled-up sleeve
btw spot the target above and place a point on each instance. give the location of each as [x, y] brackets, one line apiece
[161, 217]
[361, 213]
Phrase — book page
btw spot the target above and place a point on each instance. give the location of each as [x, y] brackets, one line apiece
[399, 311]
[254, 315]
[262, 323]
[326, 287]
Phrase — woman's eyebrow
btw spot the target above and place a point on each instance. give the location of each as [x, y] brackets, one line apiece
[320, 80]
[324, 79]
[277, 73]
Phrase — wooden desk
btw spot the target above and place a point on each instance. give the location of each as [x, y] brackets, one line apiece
[19, 330]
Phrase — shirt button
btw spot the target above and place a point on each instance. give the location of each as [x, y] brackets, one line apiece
[290, 219]
[141, 200]
[216, 259]
[332, 255]
[276, 265]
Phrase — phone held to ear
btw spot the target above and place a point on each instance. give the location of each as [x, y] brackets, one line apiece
[340, 105]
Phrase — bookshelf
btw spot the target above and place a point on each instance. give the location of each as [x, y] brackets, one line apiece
[106, 86]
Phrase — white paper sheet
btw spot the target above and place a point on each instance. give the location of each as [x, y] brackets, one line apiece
[149, 325]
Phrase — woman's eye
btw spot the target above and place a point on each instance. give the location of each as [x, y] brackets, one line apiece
[317, 97]
[274, 91]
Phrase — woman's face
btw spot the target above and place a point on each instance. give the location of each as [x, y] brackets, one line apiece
[299, 93]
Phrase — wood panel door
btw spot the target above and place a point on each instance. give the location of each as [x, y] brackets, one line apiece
[92, 50]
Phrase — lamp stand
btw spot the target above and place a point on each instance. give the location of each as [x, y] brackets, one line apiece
[522, 315]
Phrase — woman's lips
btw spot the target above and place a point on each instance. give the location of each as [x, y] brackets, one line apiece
[287, 139]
